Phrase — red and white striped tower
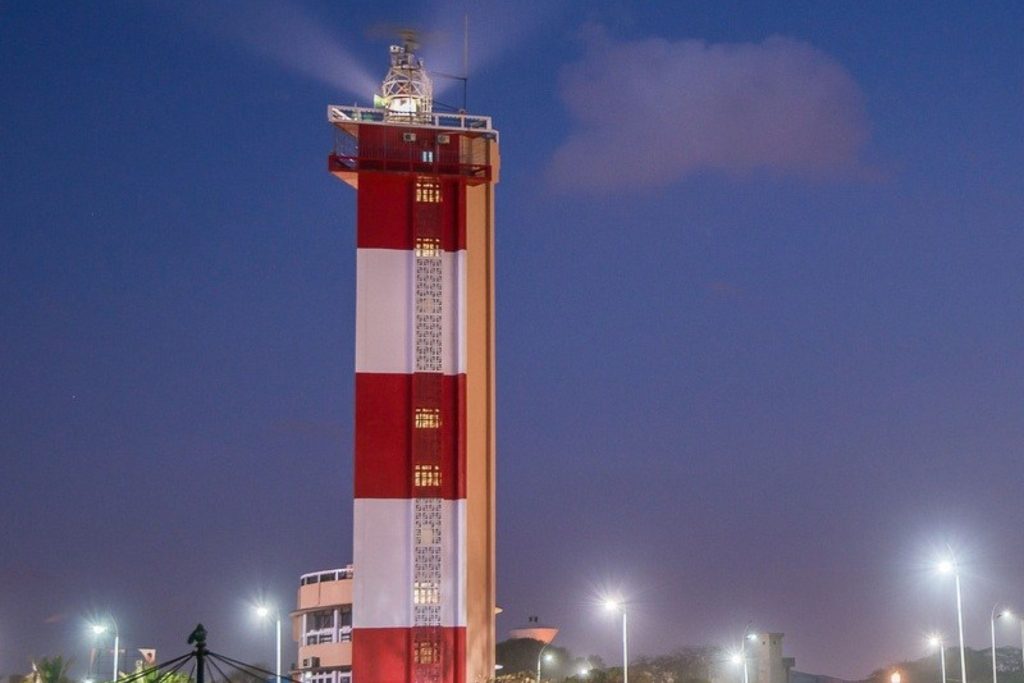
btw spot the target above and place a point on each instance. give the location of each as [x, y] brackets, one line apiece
[423, 595]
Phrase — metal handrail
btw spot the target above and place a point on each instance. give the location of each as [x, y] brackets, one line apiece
[339, 574]
[341, 114]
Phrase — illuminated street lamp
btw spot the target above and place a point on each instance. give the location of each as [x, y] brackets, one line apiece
[747, 635]
[740, 658]
[935, 640]
[1009, 615]
[614, 605]
[949, 566]
[99, 629]
[541, 658]
[1022, 643]
[895, 677]
[264, 612]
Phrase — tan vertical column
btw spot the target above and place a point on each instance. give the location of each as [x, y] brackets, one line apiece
[480, 426]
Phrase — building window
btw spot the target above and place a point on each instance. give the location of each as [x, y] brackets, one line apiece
[427, 418]
[426, 475]
[428, 246]
[426, 593]
[428, 191]
[426, 653]
[322, 676]
[320, 628]
[427, 156]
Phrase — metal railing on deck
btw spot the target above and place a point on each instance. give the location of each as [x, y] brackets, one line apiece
[341, 114]
[325, 576]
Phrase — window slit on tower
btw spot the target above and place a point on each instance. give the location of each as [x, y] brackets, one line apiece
[426, 475]
[428, 247]
[428, 191]
[426, 652]
[427, 418]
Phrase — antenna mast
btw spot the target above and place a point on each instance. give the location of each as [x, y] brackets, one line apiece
[465, 62]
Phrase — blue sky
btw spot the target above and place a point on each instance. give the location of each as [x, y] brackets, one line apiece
[762, 379]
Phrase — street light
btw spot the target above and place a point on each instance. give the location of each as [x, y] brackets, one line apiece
[747, 635]
[949, 566]
[1022, 643]
[263, 612]
[99, 629]
[614, 605]
[1009, 615]
[541, 657]
[895, 677]
[935, 640]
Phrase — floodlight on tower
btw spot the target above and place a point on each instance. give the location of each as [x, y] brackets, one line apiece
[407, 93]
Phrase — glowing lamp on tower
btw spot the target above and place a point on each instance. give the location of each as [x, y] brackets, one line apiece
[407, 92]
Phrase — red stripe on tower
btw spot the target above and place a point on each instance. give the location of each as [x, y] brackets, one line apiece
[384, 440]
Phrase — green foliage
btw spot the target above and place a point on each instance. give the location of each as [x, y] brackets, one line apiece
[519, 656]
[49, 670]
[150, 675]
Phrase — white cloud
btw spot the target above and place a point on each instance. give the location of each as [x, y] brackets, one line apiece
[650, 112]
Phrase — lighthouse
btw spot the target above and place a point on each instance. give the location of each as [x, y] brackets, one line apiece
[423, 599]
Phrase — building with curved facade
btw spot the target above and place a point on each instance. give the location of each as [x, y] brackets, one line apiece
[322, 627]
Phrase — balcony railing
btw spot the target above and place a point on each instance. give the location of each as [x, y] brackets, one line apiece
[341, 114]
[342, 634]
[326, 576]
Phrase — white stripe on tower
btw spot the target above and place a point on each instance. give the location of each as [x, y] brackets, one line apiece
[383, 527]
[386, 311]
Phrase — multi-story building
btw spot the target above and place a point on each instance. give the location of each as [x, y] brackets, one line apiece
[322, 626]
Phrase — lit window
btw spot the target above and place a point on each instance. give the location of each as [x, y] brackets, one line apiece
[426, 475]
[428, 190]
[425, 593]
[428, 246]
[427, 418]
[426, 653]
[427, 156]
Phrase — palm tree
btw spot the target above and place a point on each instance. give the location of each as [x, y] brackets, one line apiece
[49, 670]
[154, 675]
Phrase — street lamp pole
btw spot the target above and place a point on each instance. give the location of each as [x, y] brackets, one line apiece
[100, 629]
[618, 605]
[263, 612]
[937, 641]
[747, 635]
[1022, 644]
[992, 623]
[951, 566]
[278, 669]
[625, 649]
[942, 660]
[960, 627]
[540, 658]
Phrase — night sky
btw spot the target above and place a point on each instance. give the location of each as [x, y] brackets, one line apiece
[760, 333]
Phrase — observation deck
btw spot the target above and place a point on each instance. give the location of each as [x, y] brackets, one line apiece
[370, 139]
